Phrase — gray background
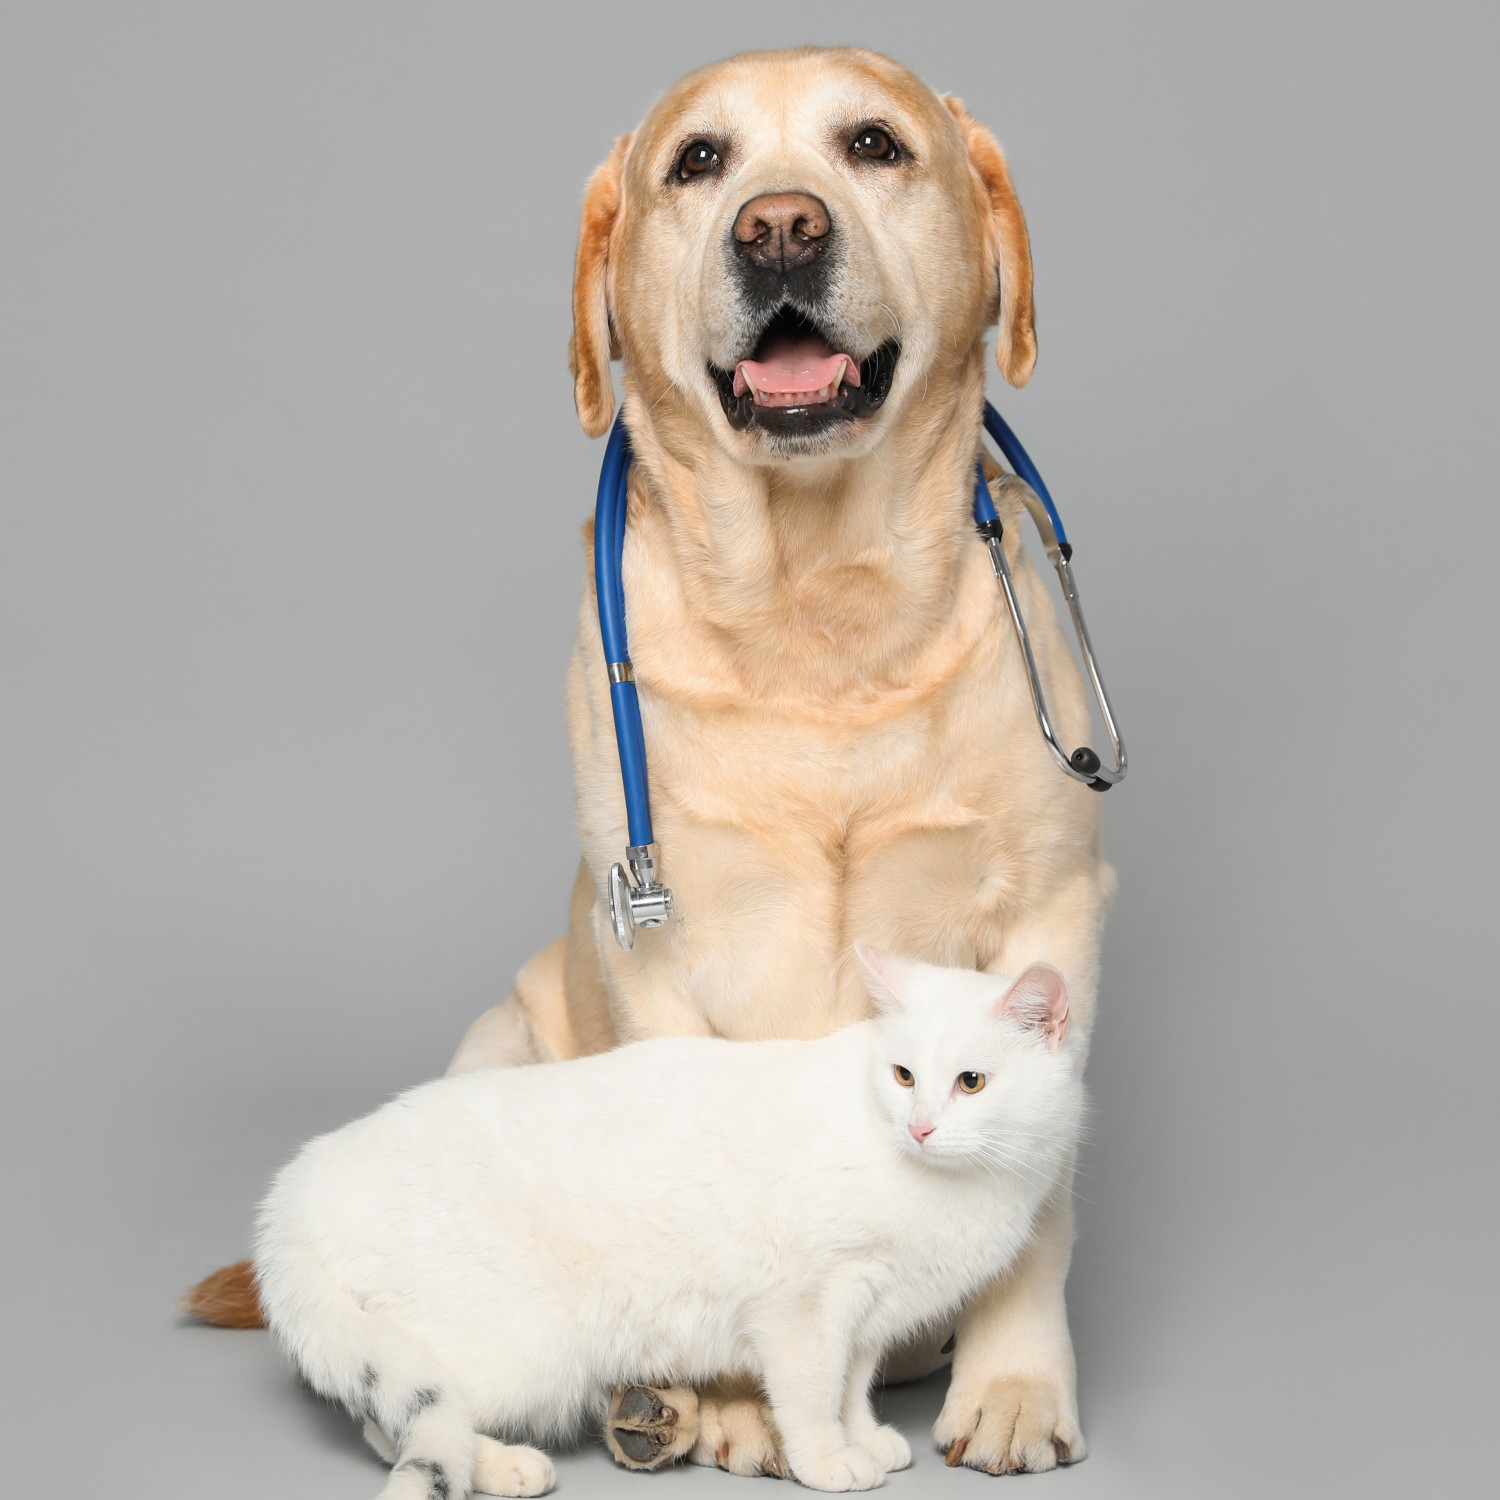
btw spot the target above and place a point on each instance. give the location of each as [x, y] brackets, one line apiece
[290, 562]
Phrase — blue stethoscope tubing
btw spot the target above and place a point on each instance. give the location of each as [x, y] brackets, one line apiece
[638, 899]
[1019, 460]
[609, 584]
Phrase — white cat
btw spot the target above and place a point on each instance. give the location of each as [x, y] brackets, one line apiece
[496, 1251]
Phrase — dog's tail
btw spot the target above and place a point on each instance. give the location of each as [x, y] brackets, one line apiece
[229, 1298]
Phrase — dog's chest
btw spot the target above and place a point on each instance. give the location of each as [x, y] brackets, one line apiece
[785, 843]
[925, 817]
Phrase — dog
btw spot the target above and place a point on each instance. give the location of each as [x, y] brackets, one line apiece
[797, 257]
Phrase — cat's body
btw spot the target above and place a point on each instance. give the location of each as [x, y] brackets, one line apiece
[472, 1257]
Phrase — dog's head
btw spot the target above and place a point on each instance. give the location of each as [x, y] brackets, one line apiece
[792, 248]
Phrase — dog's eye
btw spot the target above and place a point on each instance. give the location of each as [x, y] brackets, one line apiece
[971, 1083]
[904, 1076]
[874, 144]
[697, 161]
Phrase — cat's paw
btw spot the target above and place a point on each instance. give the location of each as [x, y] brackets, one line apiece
[891, 1450]
[844, 1469]
[501, 1469]
[649, 1429]
[1010, 1426]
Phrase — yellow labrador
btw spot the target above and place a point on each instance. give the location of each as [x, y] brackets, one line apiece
[797, 257]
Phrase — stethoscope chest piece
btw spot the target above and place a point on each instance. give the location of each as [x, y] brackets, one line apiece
[636, 897]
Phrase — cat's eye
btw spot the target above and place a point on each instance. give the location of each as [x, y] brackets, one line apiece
[971, 1083]
[904, 1076]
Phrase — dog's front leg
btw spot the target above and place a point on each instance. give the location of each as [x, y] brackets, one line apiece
[1012, 1405]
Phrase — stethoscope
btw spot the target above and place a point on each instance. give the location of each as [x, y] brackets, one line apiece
[636, 897]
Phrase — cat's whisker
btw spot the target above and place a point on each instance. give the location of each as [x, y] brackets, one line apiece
[1026, 1155]
[1040, 1168]
[1021, 1151]
[994, 1157]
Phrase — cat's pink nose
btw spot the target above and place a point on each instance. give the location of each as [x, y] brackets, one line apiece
[919, 1133]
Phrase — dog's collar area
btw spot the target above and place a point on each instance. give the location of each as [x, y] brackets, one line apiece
[637, 898]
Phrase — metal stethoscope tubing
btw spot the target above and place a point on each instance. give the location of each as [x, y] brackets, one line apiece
[1083, 764]
[636, 897]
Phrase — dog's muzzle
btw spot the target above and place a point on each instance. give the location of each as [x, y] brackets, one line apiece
[797, 377]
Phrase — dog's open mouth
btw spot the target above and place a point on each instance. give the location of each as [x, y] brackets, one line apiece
[795, 380]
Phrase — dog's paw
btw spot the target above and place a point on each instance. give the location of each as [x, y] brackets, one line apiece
[649, 1429]
[737, 1432]
[844, 1469]
[1010, 1426]
[891, 1450]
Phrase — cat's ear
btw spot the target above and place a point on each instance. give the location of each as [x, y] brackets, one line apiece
[1038, 999]
[886, 977]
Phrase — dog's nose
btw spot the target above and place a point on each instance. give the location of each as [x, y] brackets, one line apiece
[781, 231]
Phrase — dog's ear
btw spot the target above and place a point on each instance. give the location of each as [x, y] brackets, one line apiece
[593, 343]
[1015, 348]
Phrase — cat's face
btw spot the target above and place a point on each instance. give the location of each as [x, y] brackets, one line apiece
[970, 1068]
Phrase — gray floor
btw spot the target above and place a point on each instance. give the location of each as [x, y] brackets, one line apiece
[288, 576]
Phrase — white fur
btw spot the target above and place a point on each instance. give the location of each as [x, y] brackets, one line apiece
[495, 1252]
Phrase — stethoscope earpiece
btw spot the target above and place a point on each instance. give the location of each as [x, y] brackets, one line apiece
[636, 897]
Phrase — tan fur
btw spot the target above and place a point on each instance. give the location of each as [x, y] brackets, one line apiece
[1015, 343]
[227, 1298]
[839, 730]
[593, 337]
[840, 733]
[838, 724]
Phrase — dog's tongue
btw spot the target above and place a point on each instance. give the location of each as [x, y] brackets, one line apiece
[795, 370]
